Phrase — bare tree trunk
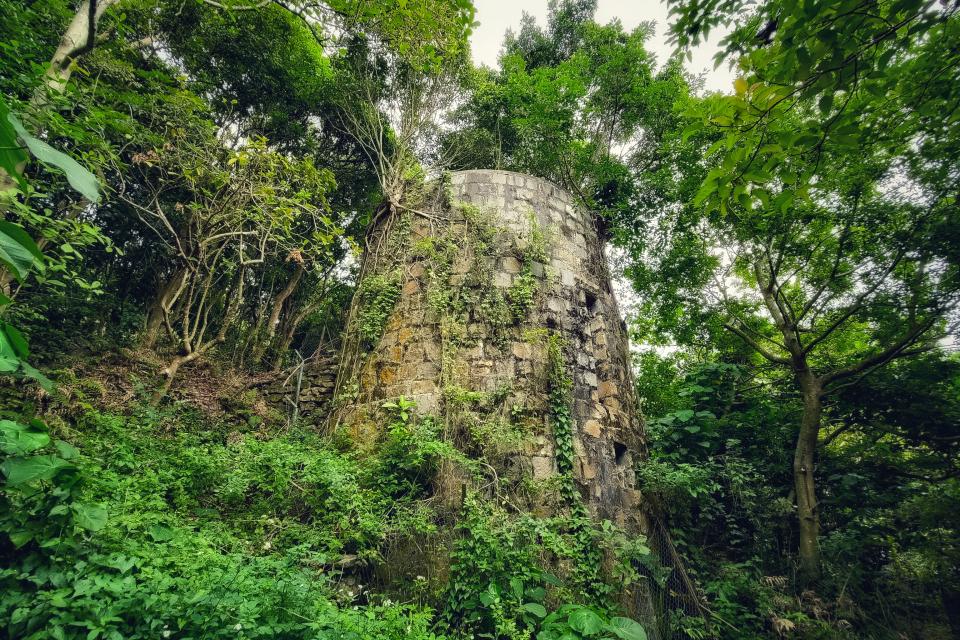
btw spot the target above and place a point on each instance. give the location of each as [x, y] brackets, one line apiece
[290, 328]
[805, 453]
[157, 311]
[804, 460]
[950, 597]
[280, 299]
[274, 320]
[170, 373]
[77, 40]
[196, 349]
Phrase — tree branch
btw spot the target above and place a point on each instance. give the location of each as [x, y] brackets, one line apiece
[756, 345]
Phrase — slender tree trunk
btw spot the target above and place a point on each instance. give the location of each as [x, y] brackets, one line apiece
[290, 328]
[804, 457]
[950, 597]
[280, 299]
[170, 372]
[75, 41]
[155, 314]
[274, 320]
[194, 350]
[808, 509]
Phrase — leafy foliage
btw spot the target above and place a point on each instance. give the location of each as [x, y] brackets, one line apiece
[196, 182]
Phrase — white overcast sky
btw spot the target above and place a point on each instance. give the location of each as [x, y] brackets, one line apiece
[496, 16]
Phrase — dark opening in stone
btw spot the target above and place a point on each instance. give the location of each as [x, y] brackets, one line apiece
[620, 453]
[591, 301]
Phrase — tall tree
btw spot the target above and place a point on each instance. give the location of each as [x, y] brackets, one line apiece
[571, 102]
[830, 197]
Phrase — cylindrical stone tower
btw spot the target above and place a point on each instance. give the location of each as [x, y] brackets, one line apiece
[461, 303]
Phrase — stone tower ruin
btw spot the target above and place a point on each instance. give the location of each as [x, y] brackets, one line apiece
[466, 304]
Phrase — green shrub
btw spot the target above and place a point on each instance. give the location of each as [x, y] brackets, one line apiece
[165, 524]
[500, 586]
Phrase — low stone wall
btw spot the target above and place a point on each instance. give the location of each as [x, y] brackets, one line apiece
[316, 389]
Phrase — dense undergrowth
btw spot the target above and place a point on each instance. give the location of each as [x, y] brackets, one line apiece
[719, 467]
[185, 190]
[138, 521]
[207, 528]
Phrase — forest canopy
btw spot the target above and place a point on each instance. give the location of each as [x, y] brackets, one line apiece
[188, 192]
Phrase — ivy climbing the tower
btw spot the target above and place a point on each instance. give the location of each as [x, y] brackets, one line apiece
[559, 385]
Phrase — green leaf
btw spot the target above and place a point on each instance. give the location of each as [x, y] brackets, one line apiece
[586, 622]
[160, 533]
[23, 470]
[826, 103]
[17, 439]
[67, 451]
[707, 189]
[17, 250]
[689, 130]
[627, 629]
[11, 154]
[34, 374]
[77, 175]
[17, 341]
[549, 578]
[20, 538]
[9, 361]
[91, 517]
[536, 609]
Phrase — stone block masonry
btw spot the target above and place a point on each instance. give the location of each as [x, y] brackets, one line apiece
[484, 281]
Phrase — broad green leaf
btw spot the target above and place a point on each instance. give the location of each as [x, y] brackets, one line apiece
[23, 470]
[535, 608]
[17, 341]
[549, 578]
[17, 439]
[91, 517]
[160, 533]
[34, 374]
[20, 538]
[11, 154]
[826, 103]
[66, 450]
[707, 189]
[77, 175]
[17, 250]
[627, 629]
[9, 361]
[586, 622]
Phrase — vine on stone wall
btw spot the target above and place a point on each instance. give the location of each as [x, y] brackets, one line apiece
[526, 284]
[559, 385]
[584, 536]
[377, 295]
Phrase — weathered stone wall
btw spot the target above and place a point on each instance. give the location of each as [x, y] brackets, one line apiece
[315, 393]
[448, 336]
